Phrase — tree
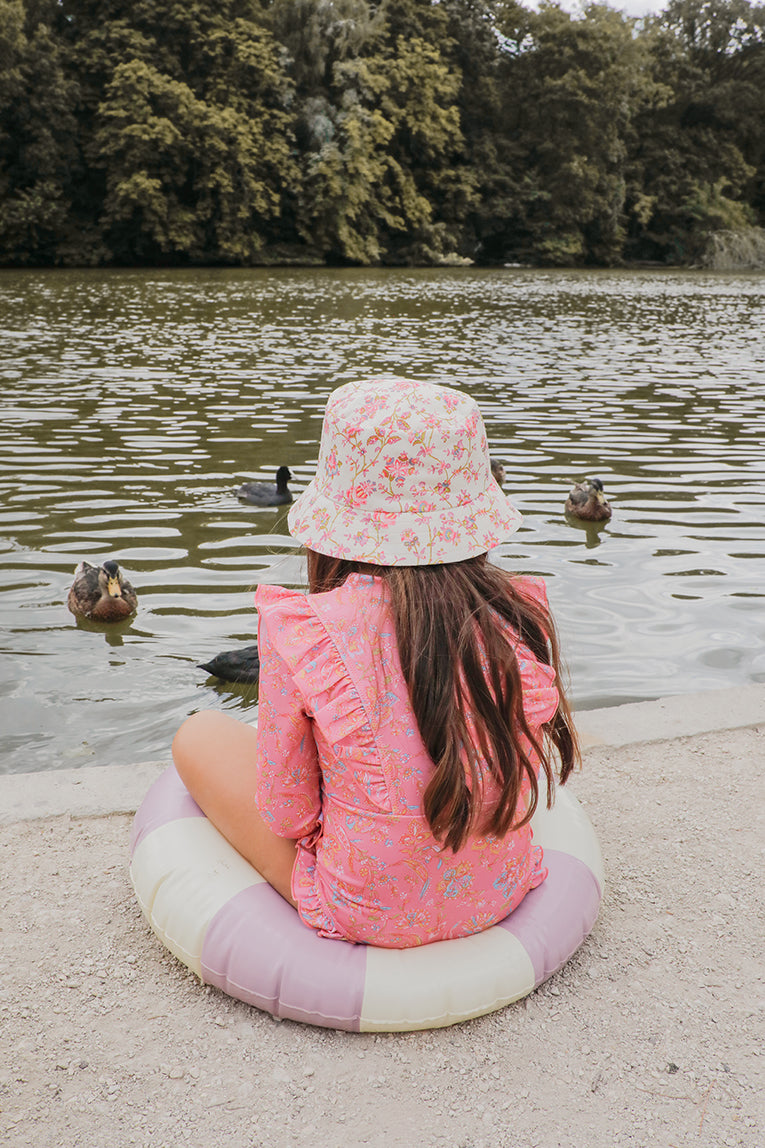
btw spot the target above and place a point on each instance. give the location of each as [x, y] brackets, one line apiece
[489, 190]
[186, 117]
[381, 140]
[37, 135]
[572, 84]
[699, 161]
[377, 131]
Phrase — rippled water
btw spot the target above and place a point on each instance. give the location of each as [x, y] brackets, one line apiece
[132, 403]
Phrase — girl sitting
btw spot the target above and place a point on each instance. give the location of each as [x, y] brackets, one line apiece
[408, 702]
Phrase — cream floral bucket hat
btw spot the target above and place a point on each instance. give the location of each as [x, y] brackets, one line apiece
[403, 478]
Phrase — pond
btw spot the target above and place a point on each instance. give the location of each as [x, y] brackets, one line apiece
[132, 403]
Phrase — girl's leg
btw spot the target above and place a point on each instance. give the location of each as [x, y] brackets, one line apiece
[216, 757]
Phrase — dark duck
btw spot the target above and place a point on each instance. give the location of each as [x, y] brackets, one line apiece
[498, 471]
[235, 665]
[101, 593]
[588, 502]
[264, 494]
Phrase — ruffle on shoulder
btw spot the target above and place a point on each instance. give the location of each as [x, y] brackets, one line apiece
[540, 692]
[532, 588]
[331, 698]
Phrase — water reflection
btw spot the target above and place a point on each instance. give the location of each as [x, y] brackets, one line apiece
[591, 530]
[134, 403]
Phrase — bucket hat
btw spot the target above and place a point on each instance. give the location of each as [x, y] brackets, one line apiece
[403, 478]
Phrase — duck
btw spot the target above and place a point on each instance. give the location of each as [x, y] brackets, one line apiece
[498, 470]
[264, 494]
[234, 665]
[588, 502]
[101, 593]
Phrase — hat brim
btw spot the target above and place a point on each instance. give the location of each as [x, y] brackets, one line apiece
[403, 537]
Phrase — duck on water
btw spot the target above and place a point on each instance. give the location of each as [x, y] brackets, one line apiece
[241, 665]
[588, 502]
[101, 593]
[266, 493]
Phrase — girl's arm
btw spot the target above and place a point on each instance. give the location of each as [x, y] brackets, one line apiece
[288, 792]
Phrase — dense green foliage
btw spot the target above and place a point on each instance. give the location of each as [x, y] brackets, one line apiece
[377, 131]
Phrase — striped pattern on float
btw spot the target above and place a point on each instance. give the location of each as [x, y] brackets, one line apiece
[218, 916]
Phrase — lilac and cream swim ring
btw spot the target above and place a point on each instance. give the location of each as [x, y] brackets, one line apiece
[218, 916]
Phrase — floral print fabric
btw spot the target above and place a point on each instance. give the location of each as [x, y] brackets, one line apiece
[403, 478]
[342, 769]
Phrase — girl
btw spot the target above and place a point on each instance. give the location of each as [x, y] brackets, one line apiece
[408, 702]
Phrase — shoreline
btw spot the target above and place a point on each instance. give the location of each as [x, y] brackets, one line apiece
[98, 791]
[462, 264]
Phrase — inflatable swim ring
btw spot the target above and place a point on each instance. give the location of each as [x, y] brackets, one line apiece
[218, 916]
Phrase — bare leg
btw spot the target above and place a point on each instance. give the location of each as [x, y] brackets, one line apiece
[216, 757]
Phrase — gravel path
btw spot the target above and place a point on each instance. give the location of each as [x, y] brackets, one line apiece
[651, 1036]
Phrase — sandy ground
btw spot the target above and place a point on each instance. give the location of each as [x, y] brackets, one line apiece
[652, 1035]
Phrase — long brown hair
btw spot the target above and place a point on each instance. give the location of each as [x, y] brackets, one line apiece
[459, 664]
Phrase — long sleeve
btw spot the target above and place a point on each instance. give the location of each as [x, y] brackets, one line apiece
[288, 791]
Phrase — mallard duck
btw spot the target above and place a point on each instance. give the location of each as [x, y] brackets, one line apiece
[264, 494]
[498, 470]
[101, 593]
[587, 501]
[235, 665]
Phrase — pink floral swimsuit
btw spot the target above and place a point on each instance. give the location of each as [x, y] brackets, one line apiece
[342, 768]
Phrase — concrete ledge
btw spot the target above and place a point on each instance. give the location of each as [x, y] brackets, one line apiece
[97, 791]
[683, 715]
